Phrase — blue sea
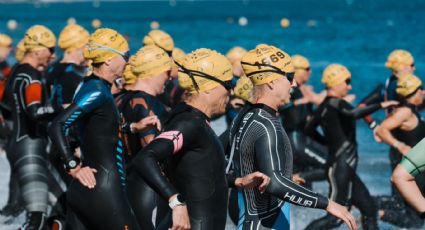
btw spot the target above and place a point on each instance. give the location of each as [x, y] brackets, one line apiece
[357, 33]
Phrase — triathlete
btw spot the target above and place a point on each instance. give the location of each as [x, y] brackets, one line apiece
[402, 130]
[97, 198]
[259, 142]
[195, 169]
[12, 207]
[145, 77]
[309, 156]
[337, 119]
[69, 72]
[27, 145]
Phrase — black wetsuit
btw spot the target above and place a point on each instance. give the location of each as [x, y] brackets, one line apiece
[195, 167]
[338, 121]
[27, 145]
[106, 206]
[261, 144]
[309, 156]
[150, 209]
[65, 78]
[173, 93]
[397, 211]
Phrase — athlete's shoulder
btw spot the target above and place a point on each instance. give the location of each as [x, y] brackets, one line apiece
[28, 72]
[91, 93]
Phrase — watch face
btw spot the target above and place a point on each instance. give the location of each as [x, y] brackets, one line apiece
[72, 163]
[181, 199]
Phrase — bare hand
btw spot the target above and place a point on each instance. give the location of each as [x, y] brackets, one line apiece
[147, 123]
[342, 213]
[387, 104]
[403, 148]
[253, 180]
[375, 136]
[181, 219]
[237, 103]
[85, 175]
[298, 179]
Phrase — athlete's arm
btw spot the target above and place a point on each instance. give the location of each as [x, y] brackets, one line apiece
[390, 123]
[271, 161]
[34, 109]
[87, 100]
[311, 128]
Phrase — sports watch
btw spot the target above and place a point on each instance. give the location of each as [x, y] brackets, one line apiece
[179, 200]
[72, 164]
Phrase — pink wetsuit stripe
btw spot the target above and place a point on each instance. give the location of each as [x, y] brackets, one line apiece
[175, 136]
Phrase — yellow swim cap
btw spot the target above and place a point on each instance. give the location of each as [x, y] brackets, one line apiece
[38, 37]
[105, 44]
[243, 88]
[20, 51]
[150, 61]
[5, 40]
[159, 38]
[203, 70]
[335, 74]
[236, 54]
[407, 85]
[266, 63]
[128, 75]
[73, 37]
[178, 55]
[399, 58]
[300, 62]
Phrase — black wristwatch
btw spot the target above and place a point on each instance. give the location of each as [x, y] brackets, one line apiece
[179, 200]
[72, 163]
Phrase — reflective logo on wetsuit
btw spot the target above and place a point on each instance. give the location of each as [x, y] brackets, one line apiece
[299, 200]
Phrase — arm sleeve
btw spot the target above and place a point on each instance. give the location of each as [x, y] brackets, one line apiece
[311, 128]
[168, 143]
[34, 109]
[356, 113]
[60, 126]
[271, 162]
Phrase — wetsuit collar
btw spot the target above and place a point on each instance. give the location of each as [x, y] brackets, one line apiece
[99, 78]
[265, 107]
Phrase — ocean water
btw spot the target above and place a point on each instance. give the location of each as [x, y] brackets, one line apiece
[357, 33]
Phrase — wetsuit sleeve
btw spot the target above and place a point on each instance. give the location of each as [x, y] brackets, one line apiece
[60, 126]
[271, 162]
[165, 145]
[34, 109]
[141, 110]
[311, 128]
[356, 113]
[414, 161]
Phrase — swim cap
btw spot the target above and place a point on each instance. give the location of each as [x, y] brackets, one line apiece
[20, 50]
[128, 75]
[73, 37]
[38, 37]
[399, 58]
[159, 38]
[243, 88]
[300, 62]
[203, 70]
[335, 74]
[407, 85]
[5, 40]
[235, 54]
[105, 44]
[178, 55]
[150, 61]
[266, 63]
